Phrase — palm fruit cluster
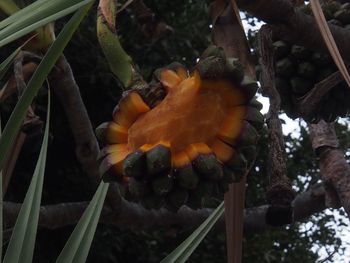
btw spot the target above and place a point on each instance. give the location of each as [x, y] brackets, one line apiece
[298, 69]
[186, 136]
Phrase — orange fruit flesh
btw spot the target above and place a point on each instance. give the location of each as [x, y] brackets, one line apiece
[129, 109]
[116, 133]
[187, 115]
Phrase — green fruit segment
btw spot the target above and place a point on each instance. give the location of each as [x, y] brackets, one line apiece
[299, 53]
[238, 164]
[255, 118]
[256, 104]
[249, 134]
[162, 185]
[158, 160]
[187, 177]
[208, 166]
[183, 171]
[135, 164]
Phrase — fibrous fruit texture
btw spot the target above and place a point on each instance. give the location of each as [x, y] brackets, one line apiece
[298, 69]
[186, 136]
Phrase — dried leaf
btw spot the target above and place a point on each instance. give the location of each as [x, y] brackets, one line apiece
[329, 40]
[234, 219]
[108, 11]
[119, 61]
[228, 33]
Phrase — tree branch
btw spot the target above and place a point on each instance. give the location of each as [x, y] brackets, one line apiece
[134, 216]
[63, 84]
[335, 170]
[280, 193]
[292, 25]
[309, 104]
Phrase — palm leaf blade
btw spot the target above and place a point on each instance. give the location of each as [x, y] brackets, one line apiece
[186, 248]
[38, 78]
[74, 250]
[21, 246]
[39, 18]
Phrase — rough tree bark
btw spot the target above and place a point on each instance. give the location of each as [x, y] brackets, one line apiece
[87, 150]
[279, 193]
[335, 171]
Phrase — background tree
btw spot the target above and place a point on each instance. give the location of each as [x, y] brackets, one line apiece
[183, 33]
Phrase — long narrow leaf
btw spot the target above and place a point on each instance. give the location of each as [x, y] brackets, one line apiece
[85, 244]
[328, 39]
[38, 8]
[21, 246]
[186, 248]
[30, 8]
[38, 78]
[1, 206]
[77, 247]
[25, 26]
[45, 9]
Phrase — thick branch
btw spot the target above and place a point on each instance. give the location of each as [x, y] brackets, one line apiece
[63, 84]
[280, 193]
[292, 25]
[309, 104]
[134, 216]
[334, 168]
[65, 88]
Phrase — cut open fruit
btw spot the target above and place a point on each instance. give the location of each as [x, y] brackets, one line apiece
[184, 140]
